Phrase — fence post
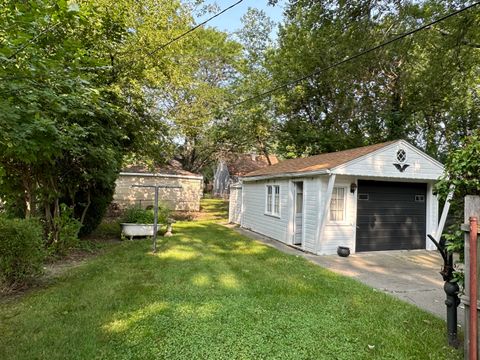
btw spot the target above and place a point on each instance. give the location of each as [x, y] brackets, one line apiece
[472, 209]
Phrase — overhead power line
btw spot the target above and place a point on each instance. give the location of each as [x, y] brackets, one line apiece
[171, 41]
[350, 58]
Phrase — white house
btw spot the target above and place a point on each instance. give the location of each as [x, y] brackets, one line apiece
[376, 197]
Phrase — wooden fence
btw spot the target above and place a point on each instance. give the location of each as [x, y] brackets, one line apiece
[472, 209]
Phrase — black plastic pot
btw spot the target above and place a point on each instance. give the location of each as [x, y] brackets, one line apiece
[343, 251]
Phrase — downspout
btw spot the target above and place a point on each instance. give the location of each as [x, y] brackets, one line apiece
[322, 215]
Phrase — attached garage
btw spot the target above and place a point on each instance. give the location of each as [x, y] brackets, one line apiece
[372, 198]
[391, 216]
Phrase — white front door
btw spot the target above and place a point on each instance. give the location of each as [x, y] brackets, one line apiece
[298, 214]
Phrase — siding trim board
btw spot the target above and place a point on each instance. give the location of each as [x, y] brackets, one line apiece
[321, 236]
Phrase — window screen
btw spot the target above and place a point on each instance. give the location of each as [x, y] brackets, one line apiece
[337, 204]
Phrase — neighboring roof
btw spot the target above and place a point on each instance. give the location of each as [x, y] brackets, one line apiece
[171, 168]
[318, 162]
[242, 164]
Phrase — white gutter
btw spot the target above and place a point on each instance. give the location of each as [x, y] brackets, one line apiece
[285, 175]
[196, 177]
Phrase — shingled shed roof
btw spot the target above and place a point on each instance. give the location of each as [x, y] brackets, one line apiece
[173, 167]
[317, 162]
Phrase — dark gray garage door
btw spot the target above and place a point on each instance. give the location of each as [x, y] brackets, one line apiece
[390, 215]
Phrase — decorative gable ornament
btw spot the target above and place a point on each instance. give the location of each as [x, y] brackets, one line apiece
[401, 165]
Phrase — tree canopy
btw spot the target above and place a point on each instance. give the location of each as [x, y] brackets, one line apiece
[422, 88]
[88, 85]
[84, 84]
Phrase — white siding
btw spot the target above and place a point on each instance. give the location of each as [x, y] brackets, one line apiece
[375, 166]
[314, 188]
[342, 233]
[254, 217]
[380, 164]
[312, 195]
[235, 205]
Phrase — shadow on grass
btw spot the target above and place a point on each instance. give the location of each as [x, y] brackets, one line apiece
[210, 293]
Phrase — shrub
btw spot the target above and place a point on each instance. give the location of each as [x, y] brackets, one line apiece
[21, 250]
[138, 215]
[461, 177]
[108, 229]
[100, 198]
[68, 230]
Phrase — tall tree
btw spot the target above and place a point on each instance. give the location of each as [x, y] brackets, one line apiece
[193, 108]
[421, 88]
[78, 92]
[251, 126]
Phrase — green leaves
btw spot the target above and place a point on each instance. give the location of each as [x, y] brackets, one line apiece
[422, 88]
[462, 170]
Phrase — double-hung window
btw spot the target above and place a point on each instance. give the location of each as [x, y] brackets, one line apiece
[337, 205]
[273, 200]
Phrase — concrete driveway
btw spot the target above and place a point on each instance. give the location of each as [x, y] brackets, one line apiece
[412, 276]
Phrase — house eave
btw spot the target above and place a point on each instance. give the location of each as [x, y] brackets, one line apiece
[285, 175]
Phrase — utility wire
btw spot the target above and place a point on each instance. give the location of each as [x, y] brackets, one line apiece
[350, 58]
[150, 53]
[163, 46]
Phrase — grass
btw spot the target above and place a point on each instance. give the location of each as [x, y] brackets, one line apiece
[213, 210]
[210, 293]
[107, 230]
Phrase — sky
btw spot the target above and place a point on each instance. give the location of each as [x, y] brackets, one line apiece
[230, 20]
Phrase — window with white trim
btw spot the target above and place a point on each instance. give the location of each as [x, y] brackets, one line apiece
[273, 200]
[337, 205]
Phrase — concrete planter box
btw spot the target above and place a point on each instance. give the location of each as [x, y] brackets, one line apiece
[132, 230]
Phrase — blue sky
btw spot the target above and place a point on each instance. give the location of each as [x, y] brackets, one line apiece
[230, 20]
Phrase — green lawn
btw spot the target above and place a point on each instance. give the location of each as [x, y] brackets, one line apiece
[210, 293]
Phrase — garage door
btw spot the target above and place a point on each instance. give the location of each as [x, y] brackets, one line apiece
[390, 216]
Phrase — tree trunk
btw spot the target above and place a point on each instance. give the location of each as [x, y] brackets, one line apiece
[28, 195]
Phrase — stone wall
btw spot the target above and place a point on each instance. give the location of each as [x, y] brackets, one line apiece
[185, 199]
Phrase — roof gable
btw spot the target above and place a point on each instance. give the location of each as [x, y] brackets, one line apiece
[384, 163]
[375, 161]
[317, 162]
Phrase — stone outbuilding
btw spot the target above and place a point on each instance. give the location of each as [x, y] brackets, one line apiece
[186, 198]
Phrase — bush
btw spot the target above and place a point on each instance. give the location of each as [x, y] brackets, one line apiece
[108, 229]
[21, 250]
[138, 215]
[68, 231]
[100, 197]
[461, 176]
